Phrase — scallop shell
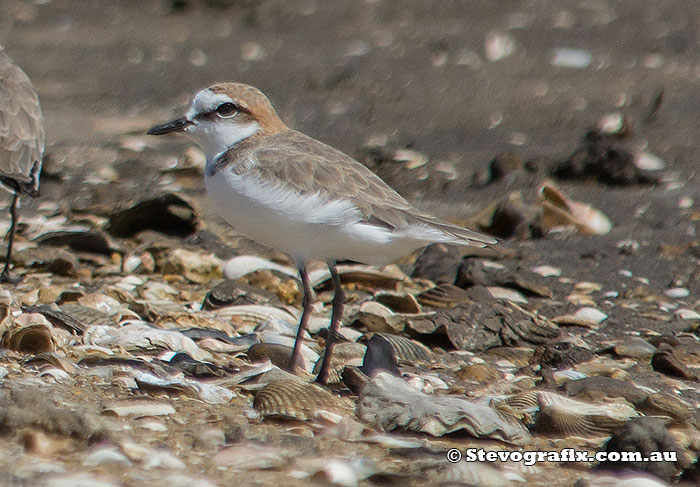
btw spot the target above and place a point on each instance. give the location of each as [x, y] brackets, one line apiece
[291, 398]
[407, 350]
[562, 415]
[443, 296]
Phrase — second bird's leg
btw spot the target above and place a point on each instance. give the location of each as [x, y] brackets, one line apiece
[5, 275]
[337, 313]
[307, 305]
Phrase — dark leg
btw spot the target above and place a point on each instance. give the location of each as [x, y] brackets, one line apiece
[307, 303]
[5, 276]
[337, 313]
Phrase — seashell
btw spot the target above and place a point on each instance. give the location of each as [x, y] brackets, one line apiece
[101, 302]
[443, 296]
[362, 276]
[53, 360]
[507, 294]
[478, 373]
[398, 302]
[30, 333]
[157, 291]
[207, 392]
[343, 353]
[297, 400]
[520, 356]
[407, 350]
[467, 473]
[559, 211]
[159, 458]
[65, 319]
[526, 402]
[687, 314]
[106, 456]
[150, 423]
[567, 57]
[411, 159]
[613, 124]
[198, 267]
[141, 336]
[226, 293]
[664, 404]
[649, 162]
[139, 263]
[562, 415]
[256, 314]
[374, 316]
[389, 403]
[677, 292]
[586, 316]
[634, 347]
[139, 407]
[243, 265]
[129, 283]
[279, 355]
[498, 45]
[249, 456]
[546, 271]
[600, 388]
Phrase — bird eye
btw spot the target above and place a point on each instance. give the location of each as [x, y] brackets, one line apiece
[226, 110]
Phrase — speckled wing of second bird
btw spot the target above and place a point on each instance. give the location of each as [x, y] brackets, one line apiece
[292, 159]
[21, 126]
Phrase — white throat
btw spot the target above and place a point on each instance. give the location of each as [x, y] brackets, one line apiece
[214, 137]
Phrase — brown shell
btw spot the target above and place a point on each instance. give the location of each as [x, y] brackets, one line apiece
[292, 398]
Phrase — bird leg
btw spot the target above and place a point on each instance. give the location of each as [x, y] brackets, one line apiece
[5, 275]
[307, 304]
[336, 314]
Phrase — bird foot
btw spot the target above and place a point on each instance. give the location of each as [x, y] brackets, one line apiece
[5, 278]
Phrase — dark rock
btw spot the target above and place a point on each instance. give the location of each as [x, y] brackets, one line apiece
[477, 327]
[666, 362]
[168, 214]
[93, 241]
[504, 164]
[438, 263]
[645, 435]
[603, 159]
[279, 355]
[380, 357]
[561, 355]
[472, 272]
[509, 219]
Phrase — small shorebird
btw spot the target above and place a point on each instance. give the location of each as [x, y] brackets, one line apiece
[288, 191]
[21, 143]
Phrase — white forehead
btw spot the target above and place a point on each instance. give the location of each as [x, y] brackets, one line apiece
[206, 101]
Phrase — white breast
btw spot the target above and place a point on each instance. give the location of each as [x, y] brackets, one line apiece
[304, 226]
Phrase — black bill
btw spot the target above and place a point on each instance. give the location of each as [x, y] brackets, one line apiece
[175, 126]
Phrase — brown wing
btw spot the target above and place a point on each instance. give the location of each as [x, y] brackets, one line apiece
[309, 166]
[21, 127]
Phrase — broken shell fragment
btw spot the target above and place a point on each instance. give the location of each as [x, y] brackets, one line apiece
[560, 211]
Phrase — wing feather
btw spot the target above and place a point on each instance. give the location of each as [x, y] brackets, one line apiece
[310, 166]
[21, 127]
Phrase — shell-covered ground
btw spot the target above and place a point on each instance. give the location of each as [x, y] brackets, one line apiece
[147, 341]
